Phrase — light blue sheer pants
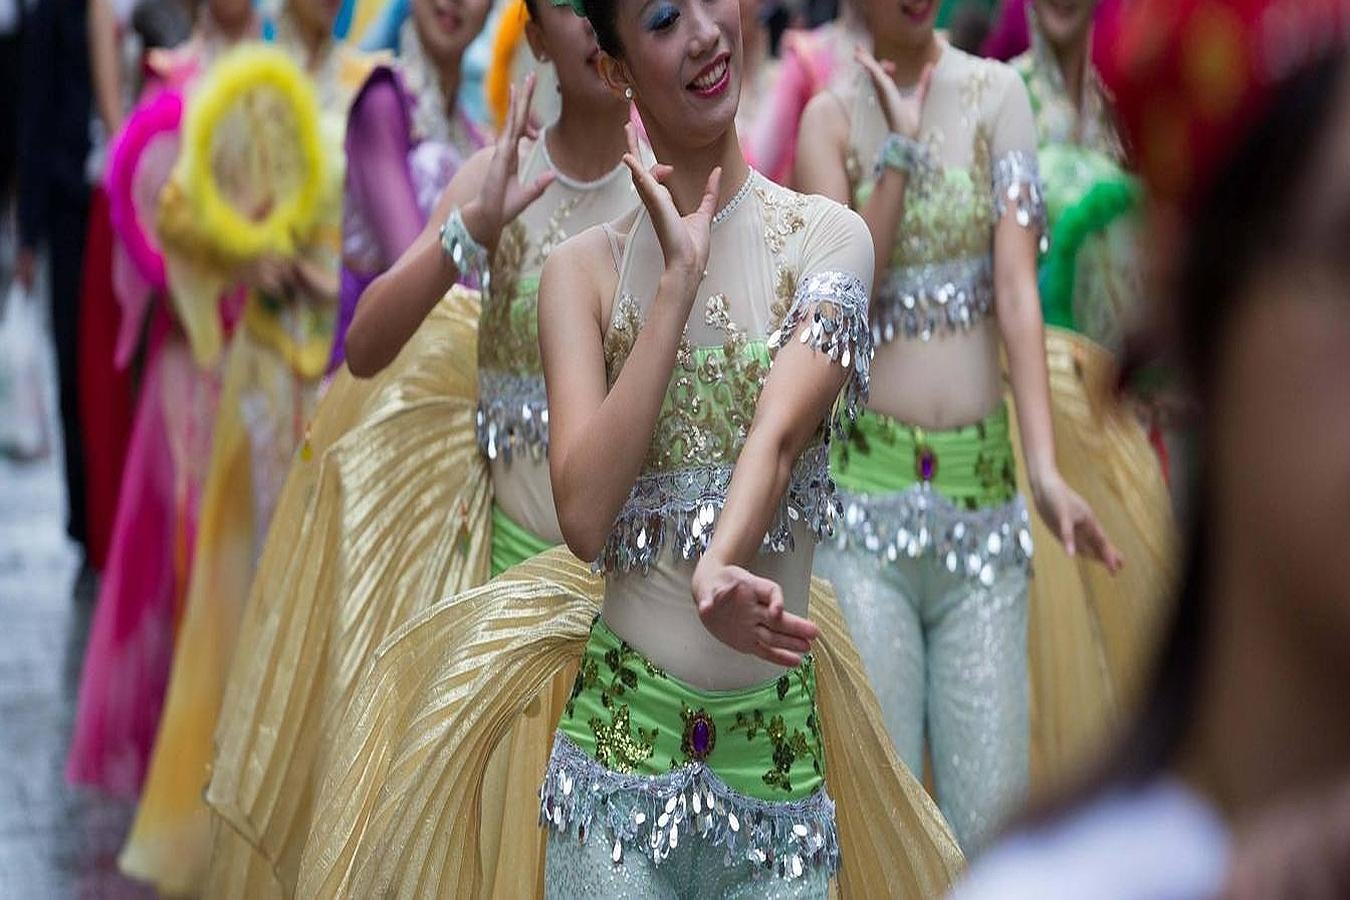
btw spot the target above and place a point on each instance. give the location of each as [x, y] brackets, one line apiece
[947, 656]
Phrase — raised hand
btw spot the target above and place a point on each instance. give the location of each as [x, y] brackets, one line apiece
[745, 612]
[902, 109]
[685, 239]
[1071, 520]
[502, 196]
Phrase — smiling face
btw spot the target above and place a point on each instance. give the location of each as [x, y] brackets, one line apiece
[901, 23]
[560, 36]
[1065, 23]
[683, 60]
[445, 27]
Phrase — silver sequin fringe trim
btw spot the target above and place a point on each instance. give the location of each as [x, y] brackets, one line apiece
[512, 415]
[833, 308]
[1017, 181]
[682, 507]
[650, 814]
[933, 298]
[919, 521]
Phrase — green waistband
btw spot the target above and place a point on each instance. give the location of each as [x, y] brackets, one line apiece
[630, 716]
[972, 466]
[512, 543]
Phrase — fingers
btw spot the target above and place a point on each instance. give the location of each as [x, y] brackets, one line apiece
[631, 133]
[1099, 545]
[1066, 532]
[868, 62]
[708, 205]
[795, 626]
[770, 638]
[778, 656]
[518, 200]
[921, 89]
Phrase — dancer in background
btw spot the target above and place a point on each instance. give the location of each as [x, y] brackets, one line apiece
[291, 100]
[406, 138]
[1247, 209]
[141, 595]
[934, 560]
[445, 438]
[1091, 634]
[695, 350]
[809, 62]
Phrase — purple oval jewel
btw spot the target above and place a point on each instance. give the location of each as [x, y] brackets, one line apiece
[700, 735]
[926, 463]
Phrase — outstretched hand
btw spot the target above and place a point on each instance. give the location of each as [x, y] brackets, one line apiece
[745, 612]
[685, 239]
[902, 109]
[502, 196]
[1071, 520]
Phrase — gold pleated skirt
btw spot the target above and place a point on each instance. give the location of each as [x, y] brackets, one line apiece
[1092, 635]
[385, 512]
[398, 808]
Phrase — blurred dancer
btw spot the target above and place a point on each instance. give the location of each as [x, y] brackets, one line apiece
[126, 664]
[406, 137]
[448, 444]
[272, 368]
[1091, 635]
[933, 565]
[694, 350]
[54, 111]
[1249, 202]
[810, 61]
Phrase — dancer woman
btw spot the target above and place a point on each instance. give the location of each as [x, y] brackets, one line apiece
[450, 446]
[934, 560]
[406, 138]
[126, 665]
[274, 362]
[1244, 712]
[692, 362]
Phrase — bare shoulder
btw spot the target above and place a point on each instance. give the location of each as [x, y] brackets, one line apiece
[825, 115]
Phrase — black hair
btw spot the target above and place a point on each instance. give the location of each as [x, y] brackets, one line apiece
[532, 7]
[1240, 222]
[602, 14]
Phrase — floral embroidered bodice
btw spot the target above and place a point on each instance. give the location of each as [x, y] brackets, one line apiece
[783, 267]
[979, 160]
[513, 406]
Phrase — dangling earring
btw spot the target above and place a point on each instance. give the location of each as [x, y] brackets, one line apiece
[628, 93]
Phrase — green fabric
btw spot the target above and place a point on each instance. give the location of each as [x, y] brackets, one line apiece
[632, 717]
[974, 463]
[948, 9]
[710, 403]
[1085, 193]
[512, 543]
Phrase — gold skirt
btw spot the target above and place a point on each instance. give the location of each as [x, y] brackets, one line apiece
[1091, 635]
[399, 806]
[386, 511]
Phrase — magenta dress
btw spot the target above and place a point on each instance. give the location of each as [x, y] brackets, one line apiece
[398, 162]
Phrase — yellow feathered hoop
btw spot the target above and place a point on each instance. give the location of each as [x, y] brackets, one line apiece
[235, 236]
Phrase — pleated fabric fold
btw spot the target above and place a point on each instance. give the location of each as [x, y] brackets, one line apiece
[385, 512]
[421, 759]
[1092, 635]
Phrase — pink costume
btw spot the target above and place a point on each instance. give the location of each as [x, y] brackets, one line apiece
[130, 650]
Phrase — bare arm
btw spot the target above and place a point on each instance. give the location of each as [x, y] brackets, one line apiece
[1018, 304]
[395, 304]
[105, 64]
[488, 194]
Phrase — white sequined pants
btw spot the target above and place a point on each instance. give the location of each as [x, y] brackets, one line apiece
[695, 870]
[948, 659]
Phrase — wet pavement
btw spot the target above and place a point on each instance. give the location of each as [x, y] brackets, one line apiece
[55, 841]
